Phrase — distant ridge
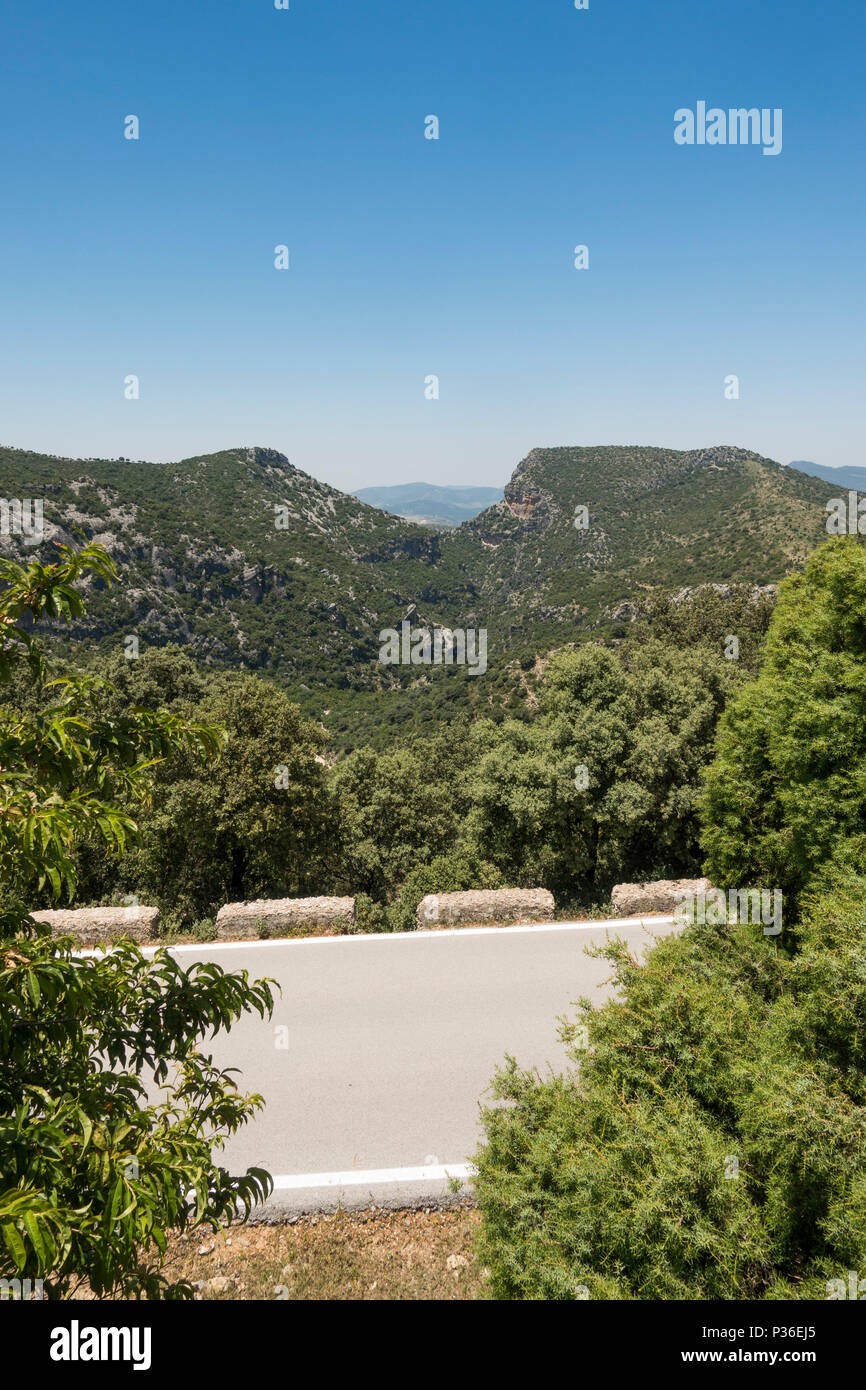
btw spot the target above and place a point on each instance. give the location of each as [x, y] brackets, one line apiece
[847, 478]
[431, 503]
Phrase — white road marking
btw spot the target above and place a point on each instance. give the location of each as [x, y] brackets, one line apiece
[535, 927]
[374, 1176]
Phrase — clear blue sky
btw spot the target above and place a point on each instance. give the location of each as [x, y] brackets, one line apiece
[412, 257]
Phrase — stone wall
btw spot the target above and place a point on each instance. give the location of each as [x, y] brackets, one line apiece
[94, 925]
[287, 916]
[499, 906]
[334, 916]
[665, 895]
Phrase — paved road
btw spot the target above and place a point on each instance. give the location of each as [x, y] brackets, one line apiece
[391, 1043]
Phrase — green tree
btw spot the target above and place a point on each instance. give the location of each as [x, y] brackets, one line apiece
[707, 616]
[603, 784]
[401, 809]
[255, 820]
[707, 1141]
[93, 1174]
[709, 1138]
[787, 789]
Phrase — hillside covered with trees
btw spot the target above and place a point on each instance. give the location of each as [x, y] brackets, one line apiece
[250, 564]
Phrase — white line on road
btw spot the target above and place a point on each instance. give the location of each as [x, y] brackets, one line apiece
[373, 1176]
[536, 928]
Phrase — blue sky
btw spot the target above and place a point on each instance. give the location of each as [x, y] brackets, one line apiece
[412, 257]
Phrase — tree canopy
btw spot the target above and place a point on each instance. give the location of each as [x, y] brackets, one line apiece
[93, 1172]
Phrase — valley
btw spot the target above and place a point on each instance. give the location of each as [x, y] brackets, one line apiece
[248, 563]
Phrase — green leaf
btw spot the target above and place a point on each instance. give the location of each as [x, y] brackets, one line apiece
[14, 1244]
[33, 1230]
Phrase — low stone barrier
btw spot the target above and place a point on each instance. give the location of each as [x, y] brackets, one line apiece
[95, 925]
[499, 906]
[665, 895]
[288, 916]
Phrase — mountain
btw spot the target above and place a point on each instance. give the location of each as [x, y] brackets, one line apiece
[844, 479]
[657, 518]
[429, 504]
[203, 563]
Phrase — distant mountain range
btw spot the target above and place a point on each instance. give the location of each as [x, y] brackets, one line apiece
[430, 504]
[250, 563]
[845, 478]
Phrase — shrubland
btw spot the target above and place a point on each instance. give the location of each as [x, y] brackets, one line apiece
[708, 1140]
[596, 781]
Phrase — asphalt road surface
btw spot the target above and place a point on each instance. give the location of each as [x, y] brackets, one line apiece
[381, 1048]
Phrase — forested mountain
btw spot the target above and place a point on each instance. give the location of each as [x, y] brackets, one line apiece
[250, 563]
[656, 517]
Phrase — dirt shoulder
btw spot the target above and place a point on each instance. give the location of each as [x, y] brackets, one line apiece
[392, 1255]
